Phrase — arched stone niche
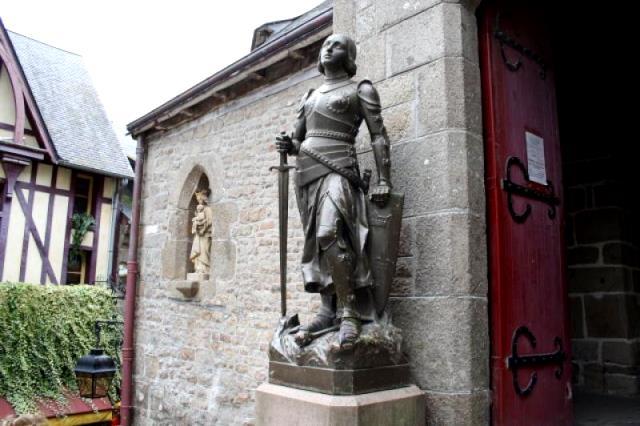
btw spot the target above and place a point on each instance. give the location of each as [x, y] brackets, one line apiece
[201, 185]
[203, 171]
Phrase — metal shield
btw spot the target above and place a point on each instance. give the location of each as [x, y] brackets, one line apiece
[384, 236]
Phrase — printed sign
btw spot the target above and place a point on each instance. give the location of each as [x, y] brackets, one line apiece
[535, 158]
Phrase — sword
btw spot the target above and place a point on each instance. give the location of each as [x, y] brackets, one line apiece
[283, 216]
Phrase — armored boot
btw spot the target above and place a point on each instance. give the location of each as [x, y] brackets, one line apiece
[324, 319]
[349, 327]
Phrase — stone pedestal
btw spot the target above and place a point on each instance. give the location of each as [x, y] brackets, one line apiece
[197, 277]
[192, 288]
[185, 289]
[280, 405]
[339, 382]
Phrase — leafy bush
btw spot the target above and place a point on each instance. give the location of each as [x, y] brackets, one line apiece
[80, 225]
[44, 330]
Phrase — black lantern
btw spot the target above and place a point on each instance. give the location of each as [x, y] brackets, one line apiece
[94, 373]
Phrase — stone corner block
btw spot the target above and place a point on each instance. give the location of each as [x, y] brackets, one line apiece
[446, 340]
[445, 29]
[450, 255]
[458, 409]
[450, 96]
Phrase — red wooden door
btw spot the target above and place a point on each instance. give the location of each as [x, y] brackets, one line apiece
[530, 346]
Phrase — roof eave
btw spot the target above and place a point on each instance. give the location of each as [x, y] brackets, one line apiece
[39, 124]
[72, 165]
[209, 85]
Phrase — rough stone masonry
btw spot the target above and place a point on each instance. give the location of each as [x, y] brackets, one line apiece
[199, 361]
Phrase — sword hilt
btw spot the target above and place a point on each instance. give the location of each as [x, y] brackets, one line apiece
[283, 166]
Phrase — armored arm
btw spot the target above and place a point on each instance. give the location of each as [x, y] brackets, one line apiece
[370, 109]
[291, 144]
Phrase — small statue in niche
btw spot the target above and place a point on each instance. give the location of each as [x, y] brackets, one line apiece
[201, 228]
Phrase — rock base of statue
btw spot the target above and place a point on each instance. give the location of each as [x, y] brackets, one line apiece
[279, 405]
[376, 361]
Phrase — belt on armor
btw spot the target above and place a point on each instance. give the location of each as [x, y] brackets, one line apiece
[348, 174]
[346, 137]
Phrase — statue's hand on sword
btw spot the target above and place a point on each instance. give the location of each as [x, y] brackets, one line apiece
[284, 143]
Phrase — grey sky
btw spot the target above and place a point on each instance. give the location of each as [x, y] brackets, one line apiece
[141, 53]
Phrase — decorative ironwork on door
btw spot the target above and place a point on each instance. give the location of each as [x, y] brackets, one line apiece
[516, 361]
[511, 188]
[507, 40]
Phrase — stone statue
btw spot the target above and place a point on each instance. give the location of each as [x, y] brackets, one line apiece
[350, 241]
[201, 228]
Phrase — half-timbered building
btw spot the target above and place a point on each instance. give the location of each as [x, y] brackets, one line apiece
[59, 156]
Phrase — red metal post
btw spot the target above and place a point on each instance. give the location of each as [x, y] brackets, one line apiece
[126, 408]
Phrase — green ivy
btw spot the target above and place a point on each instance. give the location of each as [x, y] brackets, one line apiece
[80, 224]
[44, 330]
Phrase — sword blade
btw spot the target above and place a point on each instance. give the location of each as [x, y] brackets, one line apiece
[283, 195]
[283, 218]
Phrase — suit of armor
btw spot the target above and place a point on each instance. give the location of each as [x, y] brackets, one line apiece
[330, 191]
[332, 207]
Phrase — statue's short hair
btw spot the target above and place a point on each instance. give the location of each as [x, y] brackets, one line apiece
[350, 62]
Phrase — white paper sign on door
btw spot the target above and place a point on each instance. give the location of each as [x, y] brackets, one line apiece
[535, 158]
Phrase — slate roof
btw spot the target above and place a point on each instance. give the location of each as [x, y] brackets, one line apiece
[76, 120]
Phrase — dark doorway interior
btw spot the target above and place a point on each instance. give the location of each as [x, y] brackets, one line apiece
[601, 172]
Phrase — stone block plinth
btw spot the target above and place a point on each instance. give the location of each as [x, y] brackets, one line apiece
[339, 382]
[280, 405]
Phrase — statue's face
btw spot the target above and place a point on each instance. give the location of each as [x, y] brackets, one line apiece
[333, 52]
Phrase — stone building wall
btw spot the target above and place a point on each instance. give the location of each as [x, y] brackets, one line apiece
[199, 362]
[423, 57]
[603, 258]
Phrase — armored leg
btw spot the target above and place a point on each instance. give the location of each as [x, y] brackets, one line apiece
[342, 263]
[326, 235]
